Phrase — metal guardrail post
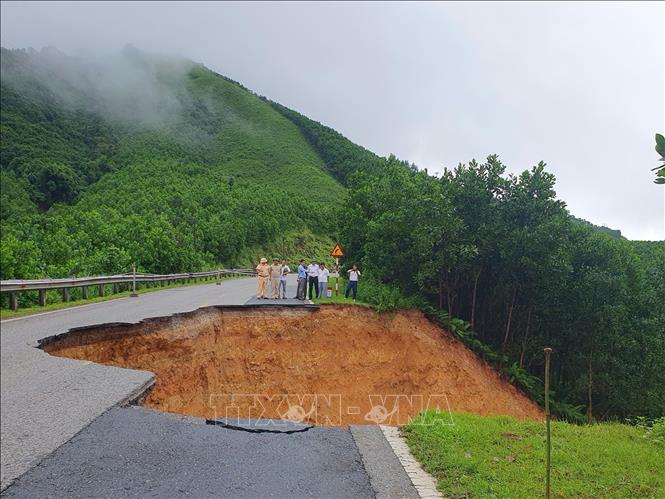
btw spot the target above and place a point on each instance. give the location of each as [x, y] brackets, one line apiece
[133, 293]
[119, 282]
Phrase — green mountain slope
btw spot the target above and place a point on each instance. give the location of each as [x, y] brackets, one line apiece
[173, 166]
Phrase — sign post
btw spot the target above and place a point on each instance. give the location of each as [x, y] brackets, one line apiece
[337, 251]
[337, 276]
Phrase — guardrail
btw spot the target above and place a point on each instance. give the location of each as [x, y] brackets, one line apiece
[13, 287]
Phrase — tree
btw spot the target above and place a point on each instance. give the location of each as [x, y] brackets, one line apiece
[660, 149]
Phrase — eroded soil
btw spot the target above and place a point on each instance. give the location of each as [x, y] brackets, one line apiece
[333, 366]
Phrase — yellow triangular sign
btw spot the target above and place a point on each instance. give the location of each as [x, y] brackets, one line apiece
[337, 251]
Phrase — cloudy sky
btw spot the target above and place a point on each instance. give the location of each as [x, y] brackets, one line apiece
[578, 85]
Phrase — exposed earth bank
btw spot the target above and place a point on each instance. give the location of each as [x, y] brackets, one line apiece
[333, 366]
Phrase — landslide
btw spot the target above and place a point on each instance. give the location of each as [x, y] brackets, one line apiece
[335, 365]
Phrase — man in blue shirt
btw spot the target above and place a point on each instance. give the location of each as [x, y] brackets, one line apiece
[302, 280]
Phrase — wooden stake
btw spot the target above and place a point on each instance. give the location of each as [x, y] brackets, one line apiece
[548, 351]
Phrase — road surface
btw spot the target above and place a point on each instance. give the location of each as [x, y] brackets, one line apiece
[131, 451]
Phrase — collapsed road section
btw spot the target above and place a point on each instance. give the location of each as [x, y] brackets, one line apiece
[331, 366]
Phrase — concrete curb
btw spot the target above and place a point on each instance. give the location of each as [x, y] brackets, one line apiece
[386, 474]
[423, 482]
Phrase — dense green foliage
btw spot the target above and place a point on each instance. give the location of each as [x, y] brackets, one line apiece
[203, 176]
[342, 157]
[474, 456]
[660, 149]
[502, 253]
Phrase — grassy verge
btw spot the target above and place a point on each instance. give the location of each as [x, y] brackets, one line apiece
[340, 299]
[22, 312]
[502, 457]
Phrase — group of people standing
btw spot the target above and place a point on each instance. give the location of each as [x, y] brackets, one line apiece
[276, 274]
[312, 280]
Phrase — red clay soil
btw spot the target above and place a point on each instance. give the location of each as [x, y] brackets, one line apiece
[333, 366]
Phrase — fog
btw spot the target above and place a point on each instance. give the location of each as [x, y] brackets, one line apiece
[578, 85]
[126, 85]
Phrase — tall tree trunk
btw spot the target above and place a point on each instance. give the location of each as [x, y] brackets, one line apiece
[440, 292]
[450, 306]
[589, 407]
[507, 335]
[524, 340]
[473, 301]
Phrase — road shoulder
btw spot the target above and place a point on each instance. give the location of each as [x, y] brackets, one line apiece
[386, 474]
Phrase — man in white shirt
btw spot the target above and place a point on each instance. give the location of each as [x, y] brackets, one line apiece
[353, 273]
[323, 280]
[313, 279]
[282, 280]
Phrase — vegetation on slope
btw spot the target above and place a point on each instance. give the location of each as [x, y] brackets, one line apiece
[342, 157]
[199, 177]
[503, 253]
[477, 456]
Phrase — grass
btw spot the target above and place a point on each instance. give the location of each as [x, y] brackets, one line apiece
[502, 457]
[49, 307]
[340, 299]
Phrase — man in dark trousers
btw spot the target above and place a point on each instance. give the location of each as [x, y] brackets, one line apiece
[352, 286]
[313, 279]
[302, 280]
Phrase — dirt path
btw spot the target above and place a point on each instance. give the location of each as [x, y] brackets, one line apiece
[333, 366]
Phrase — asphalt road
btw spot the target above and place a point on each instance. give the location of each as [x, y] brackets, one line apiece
[46, 400]
[128, 451]
[137, 452]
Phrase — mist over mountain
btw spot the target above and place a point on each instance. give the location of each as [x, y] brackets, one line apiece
[130, 87]
[140, 140]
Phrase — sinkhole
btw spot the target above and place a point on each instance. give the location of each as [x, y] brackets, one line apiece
[332, 366]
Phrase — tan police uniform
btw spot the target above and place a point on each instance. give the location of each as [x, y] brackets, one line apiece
[275, 274]
[263, 270]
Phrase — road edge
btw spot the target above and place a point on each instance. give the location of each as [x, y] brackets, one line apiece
[423, 482]
[387, 476]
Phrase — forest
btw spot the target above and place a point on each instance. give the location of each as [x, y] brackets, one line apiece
[502, 253]
[88, 188]
[225, 176]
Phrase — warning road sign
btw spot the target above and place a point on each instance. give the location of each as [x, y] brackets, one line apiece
[337, 251]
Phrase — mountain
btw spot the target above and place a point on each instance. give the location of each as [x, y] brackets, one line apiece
[615, 233]
[153, 160]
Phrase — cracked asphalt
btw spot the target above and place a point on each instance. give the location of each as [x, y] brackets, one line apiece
[138, 452]
[46, 400]
[64, 434]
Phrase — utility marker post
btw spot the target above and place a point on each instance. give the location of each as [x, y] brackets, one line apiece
[337, 277]
[133, 293]
[548, 351]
